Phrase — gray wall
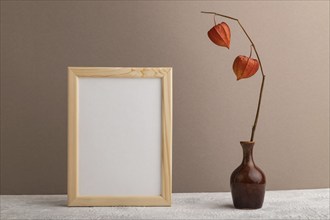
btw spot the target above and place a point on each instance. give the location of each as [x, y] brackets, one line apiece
[212, 111]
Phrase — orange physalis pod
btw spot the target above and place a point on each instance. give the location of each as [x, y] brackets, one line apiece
[220, 35]
[245, 67]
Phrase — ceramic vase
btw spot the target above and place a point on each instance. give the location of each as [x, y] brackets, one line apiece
[248, 182]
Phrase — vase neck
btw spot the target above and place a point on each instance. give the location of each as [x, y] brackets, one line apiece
[247, 152]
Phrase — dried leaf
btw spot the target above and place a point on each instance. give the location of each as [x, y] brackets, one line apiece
[245, 67]
[220, 35]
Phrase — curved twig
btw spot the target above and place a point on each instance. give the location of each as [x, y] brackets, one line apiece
[262, 71]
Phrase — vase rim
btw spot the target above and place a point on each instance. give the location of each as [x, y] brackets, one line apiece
[247, 142]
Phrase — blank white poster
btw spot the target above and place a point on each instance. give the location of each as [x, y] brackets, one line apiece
[119, 123]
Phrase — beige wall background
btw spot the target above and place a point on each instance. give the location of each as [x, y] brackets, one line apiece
[212, 111]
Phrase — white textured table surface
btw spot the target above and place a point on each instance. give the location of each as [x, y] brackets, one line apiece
[292, 204]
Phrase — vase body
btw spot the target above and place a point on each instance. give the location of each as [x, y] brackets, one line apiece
[248, 182]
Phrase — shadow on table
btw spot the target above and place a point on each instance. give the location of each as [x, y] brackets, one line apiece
[53, 201]
[215, 205]
[58, 203]
[227, 206]
[50, 202]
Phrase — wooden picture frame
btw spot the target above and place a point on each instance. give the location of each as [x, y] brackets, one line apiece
[87, 87]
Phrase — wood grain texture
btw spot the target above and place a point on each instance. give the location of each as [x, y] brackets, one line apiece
[120, 72]
[166, 164]
[72, 137]
[119, 201]
[167, 136]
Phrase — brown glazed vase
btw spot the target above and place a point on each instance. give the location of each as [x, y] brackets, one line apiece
[248, 182]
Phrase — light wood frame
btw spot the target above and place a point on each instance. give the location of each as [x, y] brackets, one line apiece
[74, 199]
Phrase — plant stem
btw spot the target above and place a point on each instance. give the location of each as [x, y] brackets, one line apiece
[262, 71]
[250, 51]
